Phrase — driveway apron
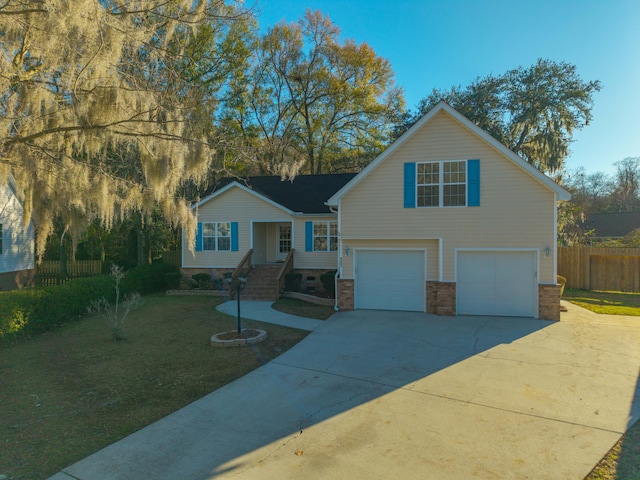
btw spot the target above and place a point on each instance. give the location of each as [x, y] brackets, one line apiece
[378, 395]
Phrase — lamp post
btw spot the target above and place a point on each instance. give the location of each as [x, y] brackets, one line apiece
[242, 280]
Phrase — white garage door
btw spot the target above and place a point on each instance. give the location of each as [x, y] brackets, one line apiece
[390, 280]
[496, 283]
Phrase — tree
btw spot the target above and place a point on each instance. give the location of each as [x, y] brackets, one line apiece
[80, 80]
[591, 192]
[313, 103]
[534, 111]
[625, 196]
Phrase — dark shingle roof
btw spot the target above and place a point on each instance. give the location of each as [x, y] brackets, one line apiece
[305, 193]
[612, 225]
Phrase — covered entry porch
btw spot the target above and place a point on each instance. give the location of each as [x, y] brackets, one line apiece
[271, 241]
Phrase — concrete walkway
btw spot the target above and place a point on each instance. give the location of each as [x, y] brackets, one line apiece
[263, 312]
[381, 395]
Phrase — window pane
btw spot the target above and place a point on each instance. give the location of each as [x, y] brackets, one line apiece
[428, 173]
[224, 229]
[224, 244]
[334, 244]
[333, 228]
[209, 243]
[428, 196]
[208, 229]
[320, 228]
[320, 244]
[454, 195]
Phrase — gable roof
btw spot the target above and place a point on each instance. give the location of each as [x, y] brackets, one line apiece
[303, 194]
[612, 225]
[443, 106]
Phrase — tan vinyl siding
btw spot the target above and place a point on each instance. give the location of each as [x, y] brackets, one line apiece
[250, 211]
[516, 211]
[311, 260]
[234, 205]
[431, 246]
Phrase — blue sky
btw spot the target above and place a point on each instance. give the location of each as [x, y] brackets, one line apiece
[440, 43]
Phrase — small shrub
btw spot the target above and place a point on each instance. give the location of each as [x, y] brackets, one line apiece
[203, 279]
[117, 313]
[562, 281]
[328, 280]
[293, 282]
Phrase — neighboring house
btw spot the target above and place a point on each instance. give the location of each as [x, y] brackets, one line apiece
[16, 242]
[611, 226]
[447, 220]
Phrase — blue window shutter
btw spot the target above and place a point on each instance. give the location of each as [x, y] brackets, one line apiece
[308, 236]
[199, 238]
[473, 183]
[234, 236]
[409, 185]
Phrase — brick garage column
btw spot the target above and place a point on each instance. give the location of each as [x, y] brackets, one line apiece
[345, 294]
[441, 298]
[549, 302]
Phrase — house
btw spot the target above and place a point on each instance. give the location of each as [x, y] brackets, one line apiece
[447, 220]
[610, 226]
[17, 266]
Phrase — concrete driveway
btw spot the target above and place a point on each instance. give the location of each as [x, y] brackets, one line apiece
[380, 395]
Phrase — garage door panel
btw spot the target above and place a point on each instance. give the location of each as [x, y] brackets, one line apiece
[496, 283]
[390, 280]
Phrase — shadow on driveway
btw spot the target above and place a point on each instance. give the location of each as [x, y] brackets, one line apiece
[402, 395]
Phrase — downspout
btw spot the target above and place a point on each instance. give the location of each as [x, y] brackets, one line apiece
[336, 308]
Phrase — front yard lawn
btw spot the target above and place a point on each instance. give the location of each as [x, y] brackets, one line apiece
[68, 393]
[608, 303]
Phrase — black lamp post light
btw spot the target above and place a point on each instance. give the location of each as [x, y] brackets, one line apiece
[239, 337]
[242, 280]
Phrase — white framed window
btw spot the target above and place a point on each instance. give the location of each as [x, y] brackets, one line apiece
[442, 184]
[325, 236]
[216, 236]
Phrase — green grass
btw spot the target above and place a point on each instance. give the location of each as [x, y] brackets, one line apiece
[623, 460]
[69, 392]
[608, 303]
[303, 309]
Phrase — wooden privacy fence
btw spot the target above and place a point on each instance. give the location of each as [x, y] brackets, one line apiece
[79, 268]
[173, 257]
[49, 272]
[600, 268]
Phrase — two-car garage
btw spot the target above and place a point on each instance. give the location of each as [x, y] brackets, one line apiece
[488, 282]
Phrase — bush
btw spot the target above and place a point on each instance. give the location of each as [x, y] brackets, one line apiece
[173, 280]
[328, 280]
[293, 282]
[203, 279]
[146, 279]
[34, 310]
[30, 311]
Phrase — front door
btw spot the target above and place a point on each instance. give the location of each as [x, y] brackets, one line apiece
[284, 241]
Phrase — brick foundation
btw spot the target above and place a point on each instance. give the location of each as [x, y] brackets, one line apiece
[441, 298]
[549, 302]
[345, 294]
[311, 281]
[16, 280]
